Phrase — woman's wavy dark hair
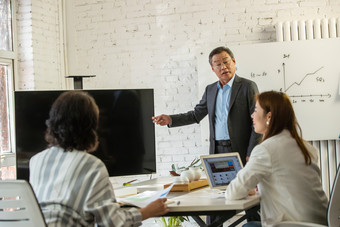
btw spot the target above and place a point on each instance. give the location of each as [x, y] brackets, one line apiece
[282, 117]
[73, 121]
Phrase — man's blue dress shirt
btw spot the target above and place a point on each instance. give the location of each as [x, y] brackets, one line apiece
[222, 110]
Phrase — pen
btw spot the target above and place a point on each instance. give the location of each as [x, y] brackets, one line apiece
[129, 182]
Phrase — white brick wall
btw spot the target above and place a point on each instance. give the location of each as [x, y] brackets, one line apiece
[39, 56]
[153, 44]
[25, 79]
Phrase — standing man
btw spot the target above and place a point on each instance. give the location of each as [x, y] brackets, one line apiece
[229, 104]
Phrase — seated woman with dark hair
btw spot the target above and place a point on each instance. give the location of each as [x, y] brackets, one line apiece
[283, 166]
[73, 186]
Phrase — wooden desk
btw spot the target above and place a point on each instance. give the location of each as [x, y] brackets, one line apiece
[203, 201]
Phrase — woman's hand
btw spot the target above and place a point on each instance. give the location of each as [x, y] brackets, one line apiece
[155, 209]
[252, 192]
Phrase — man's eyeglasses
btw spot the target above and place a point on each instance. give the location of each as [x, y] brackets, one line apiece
[225, 63]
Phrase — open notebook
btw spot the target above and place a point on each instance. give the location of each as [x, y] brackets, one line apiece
[143, 199]
[221, 169]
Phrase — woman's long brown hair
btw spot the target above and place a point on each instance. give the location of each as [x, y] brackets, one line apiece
[282, 117]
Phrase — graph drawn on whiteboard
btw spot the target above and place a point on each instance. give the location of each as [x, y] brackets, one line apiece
[307, 71]
[313, 79]
[312, 97]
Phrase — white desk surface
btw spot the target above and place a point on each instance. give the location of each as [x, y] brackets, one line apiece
[204, 199]
[209, 200]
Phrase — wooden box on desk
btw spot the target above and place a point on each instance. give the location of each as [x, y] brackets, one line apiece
[188, 187]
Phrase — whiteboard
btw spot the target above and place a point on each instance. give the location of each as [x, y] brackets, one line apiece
[308, 71]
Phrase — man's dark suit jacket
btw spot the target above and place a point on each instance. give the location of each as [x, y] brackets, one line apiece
[242, 102]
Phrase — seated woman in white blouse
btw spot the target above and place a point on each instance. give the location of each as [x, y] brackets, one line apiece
[283, 166]
[73, 186]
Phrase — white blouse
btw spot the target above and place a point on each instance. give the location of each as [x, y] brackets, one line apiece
[290, 190]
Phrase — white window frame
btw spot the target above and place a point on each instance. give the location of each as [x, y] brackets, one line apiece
[9, 58]
[8, 158]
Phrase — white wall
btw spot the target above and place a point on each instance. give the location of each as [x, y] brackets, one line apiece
[40, 47]
[155, 44]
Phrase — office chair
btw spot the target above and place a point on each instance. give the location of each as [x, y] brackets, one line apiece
[18, 205]
[333, 211]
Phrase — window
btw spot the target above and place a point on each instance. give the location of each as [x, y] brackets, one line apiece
[7, 157]
[5, 25]
[4, 110]
[7, 57]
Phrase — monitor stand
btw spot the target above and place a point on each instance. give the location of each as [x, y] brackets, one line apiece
[78, 80]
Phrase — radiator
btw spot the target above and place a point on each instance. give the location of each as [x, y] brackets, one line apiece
[329, 150]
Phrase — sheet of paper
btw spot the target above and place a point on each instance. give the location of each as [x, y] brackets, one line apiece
[143, 199]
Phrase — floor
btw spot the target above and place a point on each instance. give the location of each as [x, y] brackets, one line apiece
[156, 222]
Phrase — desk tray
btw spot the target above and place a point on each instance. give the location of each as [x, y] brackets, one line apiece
[188, 187]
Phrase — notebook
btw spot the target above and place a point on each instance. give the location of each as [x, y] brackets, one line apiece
[221, 169]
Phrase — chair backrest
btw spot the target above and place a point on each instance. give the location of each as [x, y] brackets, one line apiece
[18, 205]
[333, 214]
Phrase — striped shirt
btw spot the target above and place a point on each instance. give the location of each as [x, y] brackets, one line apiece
[73, 189]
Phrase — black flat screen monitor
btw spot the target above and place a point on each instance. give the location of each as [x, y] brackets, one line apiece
[126, 132]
